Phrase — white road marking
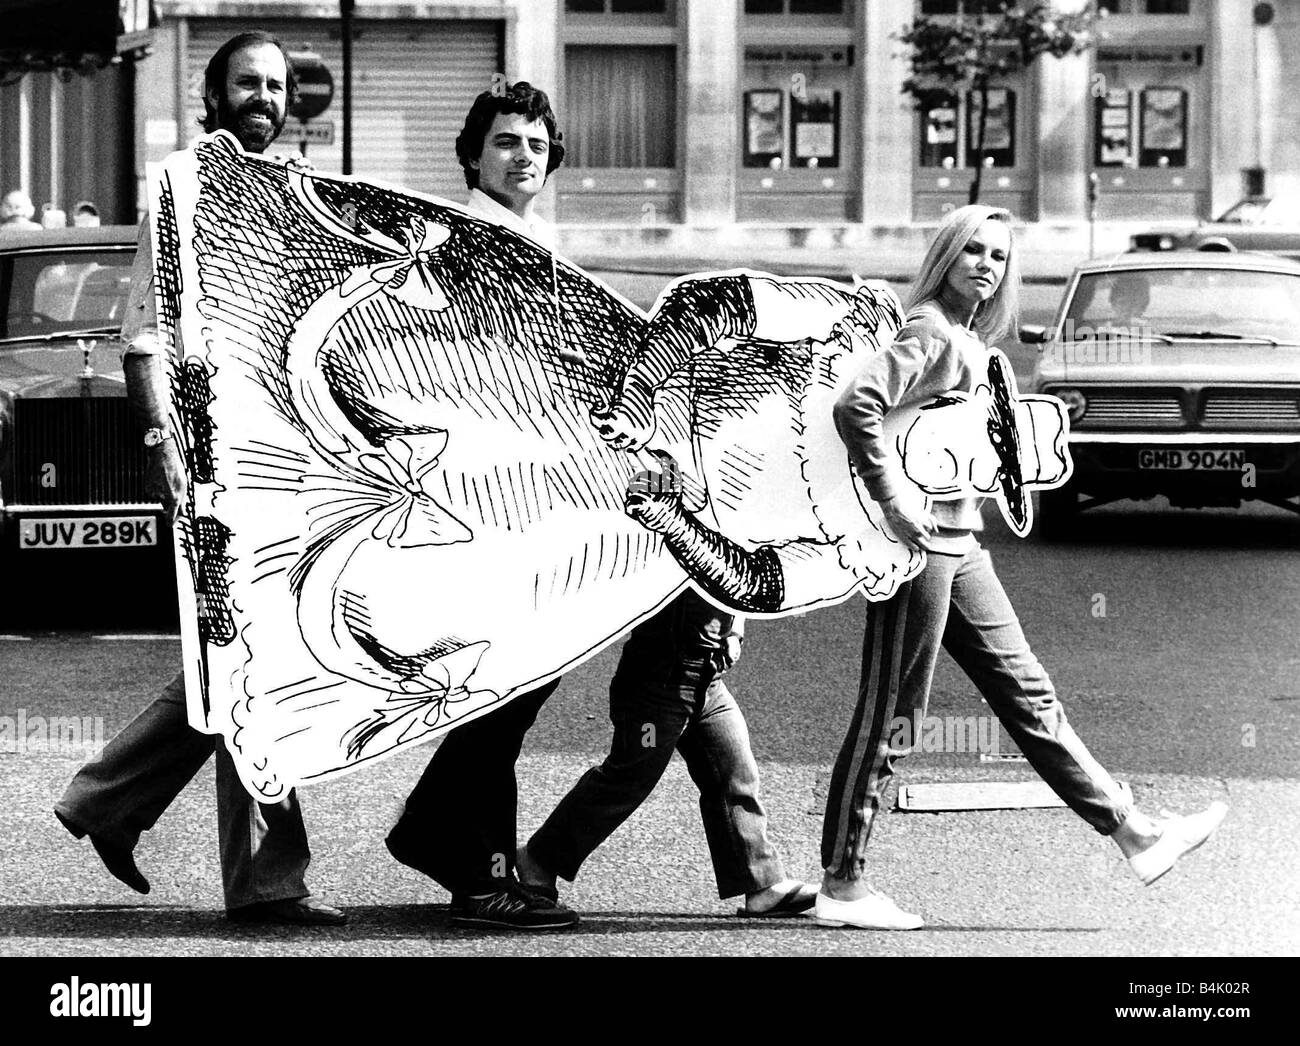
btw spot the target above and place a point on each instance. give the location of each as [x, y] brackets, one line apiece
[142, 636]
[15, 639]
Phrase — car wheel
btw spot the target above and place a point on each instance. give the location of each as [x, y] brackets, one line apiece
[1058, 512]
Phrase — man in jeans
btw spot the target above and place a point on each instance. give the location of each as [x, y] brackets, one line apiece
[667, 694]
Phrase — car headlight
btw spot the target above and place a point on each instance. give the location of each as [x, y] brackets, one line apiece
[1166, 243]
[1076, 403]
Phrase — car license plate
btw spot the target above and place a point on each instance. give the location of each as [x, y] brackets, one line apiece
[100, 532]
[1179, 459]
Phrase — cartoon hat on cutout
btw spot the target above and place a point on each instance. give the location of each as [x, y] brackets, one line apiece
[1006, 441]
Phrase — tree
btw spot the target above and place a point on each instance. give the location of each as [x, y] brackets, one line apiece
[974, 51]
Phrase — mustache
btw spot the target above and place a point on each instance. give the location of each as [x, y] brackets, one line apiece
[256, 108]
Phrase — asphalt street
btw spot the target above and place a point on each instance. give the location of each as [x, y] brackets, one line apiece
[1186, 688]
[1171, 636]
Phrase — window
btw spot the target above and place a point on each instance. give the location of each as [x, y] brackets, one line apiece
[794, 7]
[1113, 129]
[809, 138]
[618, 7]
[939, 130]
[970, 7]
[1159, 117]
[69, 291]
[621, 106]
[764, 128]
[1150, 7]
[999, 128]
[1164, 127]
[950, 129]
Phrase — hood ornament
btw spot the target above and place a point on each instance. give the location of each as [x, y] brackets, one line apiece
[87, 371]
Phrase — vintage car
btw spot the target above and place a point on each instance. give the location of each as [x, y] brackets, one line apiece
[1181, 373]
[72, 462]
[1253, 223]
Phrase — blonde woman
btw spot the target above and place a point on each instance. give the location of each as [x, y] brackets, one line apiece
[963, 300]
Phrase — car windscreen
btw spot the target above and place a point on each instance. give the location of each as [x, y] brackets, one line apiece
[1199, 302]
[48, 292]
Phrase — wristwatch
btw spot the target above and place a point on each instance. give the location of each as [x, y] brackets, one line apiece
[152, 437]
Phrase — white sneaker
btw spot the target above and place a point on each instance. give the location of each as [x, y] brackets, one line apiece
[1181, 836]
[873, 912]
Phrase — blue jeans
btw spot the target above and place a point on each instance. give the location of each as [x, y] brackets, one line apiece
[667, 695]
[959, 602]
[264, 852]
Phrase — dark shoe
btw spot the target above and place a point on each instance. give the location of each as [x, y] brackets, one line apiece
[297, 911]
[514, 908]
[549, 894]
[118, 859]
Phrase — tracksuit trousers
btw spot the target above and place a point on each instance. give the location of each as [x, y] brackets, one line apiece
[956, 601]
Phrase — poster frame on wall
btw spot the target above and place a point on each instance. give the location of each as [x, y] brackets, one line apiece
[1153, 123]
[815, 139]
[999, 132]
[764, 112]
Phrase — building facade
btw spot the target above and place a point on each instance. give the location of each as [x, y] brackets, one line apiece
[67, 102]
[702, 114]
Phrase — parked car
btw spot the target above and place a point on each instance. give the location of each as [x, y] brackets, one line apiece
[1253, 223]
[1181, 373]
[72, 464]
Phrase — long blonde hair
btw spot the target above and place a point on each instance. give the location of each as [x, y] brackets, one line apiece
[994, 318]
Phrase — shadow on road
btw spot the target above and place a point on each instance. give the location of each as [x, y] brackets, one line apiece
[143, 922]
[1131, 526]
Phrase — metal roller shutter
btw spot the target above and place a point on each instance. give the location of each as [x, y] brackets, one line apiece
[413, 82]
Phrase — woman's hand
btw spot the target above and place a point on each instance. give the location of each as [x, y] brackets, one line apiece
[913, 529]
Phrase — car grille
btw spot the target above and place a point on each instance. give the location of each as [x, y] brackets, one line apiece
[1145, 410]
[76, 452]
[1247, 409]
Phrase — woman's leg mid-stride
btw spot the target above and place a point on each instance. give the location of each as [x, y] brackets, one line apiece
[984, 637]
[899, 650]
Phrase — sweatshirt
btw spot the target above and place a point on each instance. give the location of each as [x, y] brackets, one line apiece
[930, 357]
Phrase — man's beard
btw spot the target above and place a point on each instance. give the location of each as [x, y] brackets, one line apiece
[253, 135]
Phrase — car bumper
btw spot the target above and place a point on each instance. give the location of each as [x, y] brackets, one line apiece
[85, 530]
[1139, 465]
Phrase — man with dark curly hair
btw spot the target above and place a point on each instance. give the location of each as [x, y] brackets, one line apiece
[460, 822]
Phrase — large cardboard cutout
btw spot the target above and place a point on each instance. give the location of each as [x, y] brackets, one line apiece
[432, 465]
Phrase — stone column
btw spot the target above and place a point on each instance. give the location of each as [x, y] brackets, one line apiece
[888, 118]
[1065, 90]
[711, 90]
[1234, 114]
[534, 53]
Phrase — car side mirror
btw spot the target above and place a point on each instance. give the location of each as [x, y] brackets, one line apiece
[1035, 334]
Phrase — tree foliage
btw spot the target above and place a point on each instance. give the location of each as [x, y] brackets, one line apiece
[988, 43]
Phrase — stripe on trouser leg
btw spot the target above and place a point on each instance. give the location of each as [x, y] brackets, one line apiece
[853, 823]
